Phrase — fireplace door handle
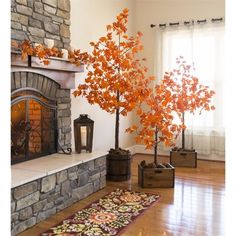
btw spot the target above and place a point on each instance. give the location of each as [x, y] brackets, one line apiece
[27, 126]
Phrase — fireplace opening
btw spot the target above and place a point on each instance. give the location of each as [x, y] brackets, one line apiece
[33, 125]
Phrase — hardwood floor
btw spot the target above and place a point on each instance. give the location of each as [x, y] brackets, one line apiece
[195, 206]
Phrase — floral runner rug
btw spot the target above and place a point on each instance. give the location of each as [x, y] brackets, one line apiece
[107, 216]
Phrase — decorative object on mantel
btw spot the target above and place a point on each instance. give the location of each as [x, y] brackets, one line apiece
[49, 43]
[192, 97]
[45, 54]
[83, 132]
[117, 82]
[110, 215]
[65, 53]
[41, 51]
[156, 126]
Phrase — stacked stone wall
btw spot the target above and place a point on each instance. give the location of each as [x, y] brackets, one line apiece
[38, 20]
[42, 198]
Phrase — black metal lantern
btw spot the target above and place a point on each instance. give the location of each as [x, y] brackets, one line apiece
[83, 131]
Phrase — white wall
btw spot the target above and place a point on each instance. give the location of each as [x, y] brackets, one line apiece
[165, 11]
[88, 22]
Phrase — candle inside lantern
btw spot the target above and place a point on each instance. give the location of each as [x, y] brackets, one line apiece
[83, 132]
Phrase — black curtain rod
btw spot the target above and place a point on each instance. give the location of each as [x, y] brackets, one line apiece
[188, 22]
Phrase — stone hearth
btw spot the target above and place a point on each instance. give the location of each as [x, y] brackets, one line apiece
[45, 186]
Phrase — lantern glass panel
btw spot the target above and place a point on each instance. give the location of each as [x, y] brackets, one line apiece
[83, 132]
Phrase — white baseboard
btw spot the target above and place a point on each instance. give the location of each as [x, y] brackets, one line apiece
[141, 149]
[211, 158]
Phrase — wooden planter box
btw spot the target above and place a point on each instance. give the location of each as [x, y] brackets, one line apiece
[183, 158]
[156, 177]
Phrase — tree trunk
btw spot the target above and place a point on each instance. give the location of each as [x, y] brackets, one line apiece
[117, 111]
[183, 134]
[117, 122]
[155, 147]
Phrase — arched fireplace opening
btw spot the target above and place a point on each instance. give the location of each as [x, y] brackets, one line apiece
[33, 125]
[40, 116]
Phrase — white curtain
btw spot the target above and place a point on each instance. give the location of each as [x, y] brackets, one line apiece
[202, 45]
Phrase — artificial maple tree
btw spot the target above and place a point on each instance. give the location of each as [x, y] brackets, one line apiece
[192, 96]
[157, 119]
[116, 79]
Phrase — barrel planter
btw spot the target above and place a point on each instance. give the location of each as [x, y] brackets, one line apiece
[119, 166]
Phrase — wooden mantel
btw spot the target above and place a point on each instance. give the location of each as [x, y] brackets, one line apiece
[59, 70]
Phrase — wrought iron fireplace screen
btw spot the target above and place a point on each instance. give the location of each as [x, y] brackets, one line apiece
[33, 125]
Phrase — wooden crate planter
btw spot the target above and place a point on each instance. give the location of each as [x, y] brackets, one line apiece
[181, 158]
[156, 177]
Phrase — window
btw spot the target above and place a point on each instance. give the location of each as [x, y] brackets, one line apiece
[202, 45]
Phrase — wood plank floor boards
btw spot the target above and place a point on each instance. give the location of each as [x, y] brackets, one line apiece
[195, 207]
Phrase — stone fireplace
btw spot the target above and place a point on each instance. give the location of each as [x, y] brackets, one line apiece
[40, 107]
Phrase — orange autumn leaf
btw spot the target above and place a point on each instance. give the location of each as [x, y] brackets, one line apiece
[139, 111]
[46, 62]
[109, 27]
[103, 39]
[24, 55]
